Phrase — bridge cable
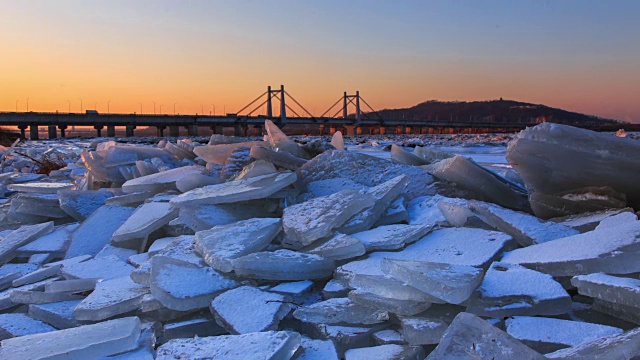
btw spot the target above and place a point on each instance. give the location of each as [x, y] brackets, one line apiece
[329, 109]
[251, 103]
[302, 107]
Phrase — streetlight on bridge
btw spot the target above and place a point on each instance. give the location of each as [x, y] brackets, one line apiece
[174, 108]
[80, 105]
[140, 108]
[214, 109]
[154, 108]
[17, 101]
[69, 103]
[27, 104]
[108, 102]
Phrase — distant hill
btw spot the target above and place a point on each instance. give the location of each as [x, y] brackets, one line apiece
[498, 111]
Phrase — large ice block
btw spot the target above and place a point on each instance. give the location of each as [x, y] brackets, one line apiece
[391, 237]
[554, 158]
[618, 346]
[484, 184]
[146, 219]
[268, 345]
[221, 244]
[283, 265]
[235, 191]
[218, 153]
[526, 229]
[248, 309]
[338, 247]
[509, 289]
[613, 251]
[161, 181]
[619, 290]
[281, 142]
[96, 232]
[81, 204]
[364, 169]
[316, 218]
[110, 298]
[83, 342]
[183, 286]
[20, 237]
[470, 337]
[402, 156]
[339, 311]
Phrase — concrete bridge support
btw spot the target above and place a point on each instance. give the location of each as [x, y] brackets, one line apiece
[237, 130]
[160, 130]
[62, 128]
[129, 130]
[53, 133]
[111, 131]
[192, 130]
[33, 132]
[23, 129]
[258, 130]
[174, 131]
[332, 130]
[98, 130]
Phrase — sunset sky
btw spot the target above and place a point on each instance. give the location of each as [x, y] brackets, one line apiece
[579, 55]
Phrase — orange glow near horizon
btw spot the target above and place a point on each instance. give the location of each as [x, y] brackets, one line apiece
[56, 53]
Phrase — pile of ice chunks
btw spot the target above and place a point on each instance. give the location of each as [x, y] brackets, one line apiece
[275, 250]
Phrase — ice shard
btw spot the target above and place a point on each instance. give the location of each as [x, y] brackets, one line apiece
[283, 265]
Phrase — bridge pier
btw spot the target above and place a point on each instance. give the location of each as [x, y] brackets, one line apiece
[129, 130]
[332, 130]
[62, 130]
[160, 130]
[98, 130]
[192, 130]
[258, 129]
[174, 131]
[237, 130]
[321, 130]
[33, 132]
[51, 129]
[23, 129]
[111, 131]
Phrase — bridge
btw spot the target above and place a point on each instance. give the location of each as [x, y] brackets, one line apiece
[247, 122]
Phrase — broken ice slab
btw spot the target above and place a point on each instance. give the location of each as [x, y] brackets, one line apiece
[422, 331]
[338, 247]
[6, 301]
[316, 218]
[218, 153]
[525, 229]
[383, 194]
[283, 265]
[83, 342]
[552, 158]
[200, 326]
[110, 298]
[402, 156]
[281, 142]
[10, 272]
[577, 201]
[37, 275]
[382, 352]
[55, 242]
[77, 285]
[295, 290]
[614, 221]
[261, 310]
[424, 210]
[609, 251]
[629, 314]
[589, 221]
[236, 190]
[458, 214]
[221, 244]
[484, 184]
[193, 181]
[547, 334]
[106, 268]
[619, 346]
[260, 346]
[256, 168]
[470, 337]
[146, 219]
[619, 290]
[311, 349]
[369, 171]
[204, 217]
[277, 158]
[15, 325]
[396, 213]
[131, 199]
[385, 337]
[237, 160]
[96, 232]
[340, 311]
[391, 237]
[334, 289]
[509, 289]
[183, 249]
[40, 187]
[122, 253]
[431, 154]
[161, 181]
[337, 141]
[217, 139]
[399, 303]
[448, 282]
[20, 237]
[80, 204]
[327, 187]
[184, 286]
[19, 296]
